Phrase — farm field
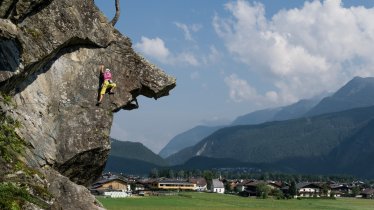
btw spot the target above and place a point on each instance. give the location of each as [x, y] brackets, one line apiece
[211, 201]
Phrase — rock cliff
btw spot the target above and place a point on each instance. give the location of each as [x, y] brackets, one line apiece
[53, 139]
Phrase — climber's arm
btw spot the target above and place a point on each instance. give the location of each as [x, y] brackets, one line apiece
[101, 68]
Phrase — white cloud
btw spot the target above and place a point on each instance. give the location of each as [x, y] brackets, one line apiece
[188, 29]
[302, 51]
[186, 57]
[213, 56]
[272, 96]
[240, 90]
[156, 48]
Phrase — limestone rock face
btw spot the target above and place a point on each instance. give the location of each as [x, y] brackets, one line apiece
[49, 56]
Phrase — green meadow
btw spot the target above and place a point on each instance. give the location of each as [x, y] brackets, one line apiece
[211, 201]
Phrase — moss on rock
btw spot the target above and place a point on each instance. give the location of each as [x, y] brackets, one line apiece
[19, 184]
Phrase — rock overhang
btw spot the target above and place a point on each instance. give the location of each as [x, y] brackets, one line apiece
[53, 80]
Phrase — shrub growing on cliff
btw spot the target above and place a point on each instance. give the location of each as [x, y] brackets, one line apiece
[14, 192]
[10, 143]
[12, 197]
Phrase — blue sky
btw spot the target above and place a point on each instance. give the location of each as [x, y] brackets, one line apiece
[234, 57]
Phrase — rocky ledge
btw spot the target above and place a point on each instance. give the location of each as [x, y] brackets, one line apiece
[54, 140]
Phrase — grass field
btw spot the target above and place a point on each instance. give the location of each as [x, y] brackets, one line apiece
[211, 201]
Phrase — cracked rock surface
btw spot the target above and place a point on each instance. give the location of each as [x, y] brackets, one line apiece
[49, 56]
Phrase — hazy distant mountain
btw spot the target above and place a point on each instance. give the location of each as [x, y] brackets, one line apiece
[359, 92]
[292, 111]
[187, 139]
[196, 134]
[325, 143]
[296, 110]
[245, 145]
[256, 117]
[135, 151]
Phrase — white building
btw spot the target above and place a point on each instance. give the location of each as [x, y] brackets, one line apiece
[201, 184]
[114, 194]
[217, 186]
[308, 190]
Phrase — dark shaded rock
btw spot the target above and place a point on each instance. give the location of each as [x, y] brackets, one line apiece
[69, 195]
[49, 57]
[17, 10]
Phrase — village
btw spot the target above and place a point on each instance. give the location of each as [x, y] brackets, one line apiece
[120, 186]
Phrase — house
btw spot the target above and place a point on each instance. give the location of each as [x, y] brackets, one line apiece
[340, 190]
[113, 187]
[250, 188]
[230, 184]
[241, 186]
[147, 184]
[217, 186]
[201, 184]
[368, 193]
[111, 184]
[307, 189]
[138, 186]
[173, 185]
[275, 185]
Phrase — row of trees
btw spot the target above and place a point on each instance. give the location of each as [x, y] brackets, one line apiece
[210, 174]
[263, 191]
[183, 174]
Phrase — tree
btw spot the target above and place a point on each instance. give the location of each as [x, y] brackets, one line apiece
[133, 187]
[208, 175]
[292, 189]
[181, 174]
[197, 173]
[355, 191]
[154, 173]
[171, 174]
[325, 189]
[277, 193]
[228, 188]
[116, 16]
[263, 190]
[190, 174]
[265, 176]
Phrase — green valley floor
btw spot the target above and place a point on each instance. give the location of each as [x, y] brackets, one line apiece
[211, 201]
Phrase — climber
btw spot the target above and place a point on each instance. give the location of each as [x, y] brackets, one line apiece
[108, 83]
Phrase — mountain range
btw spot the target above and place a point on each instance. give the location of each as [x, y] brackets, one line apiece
[356, 93]
[285, 141]
[132, 158]
[196, 134]
[187, 139]
[333, 135]
[324, 141]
